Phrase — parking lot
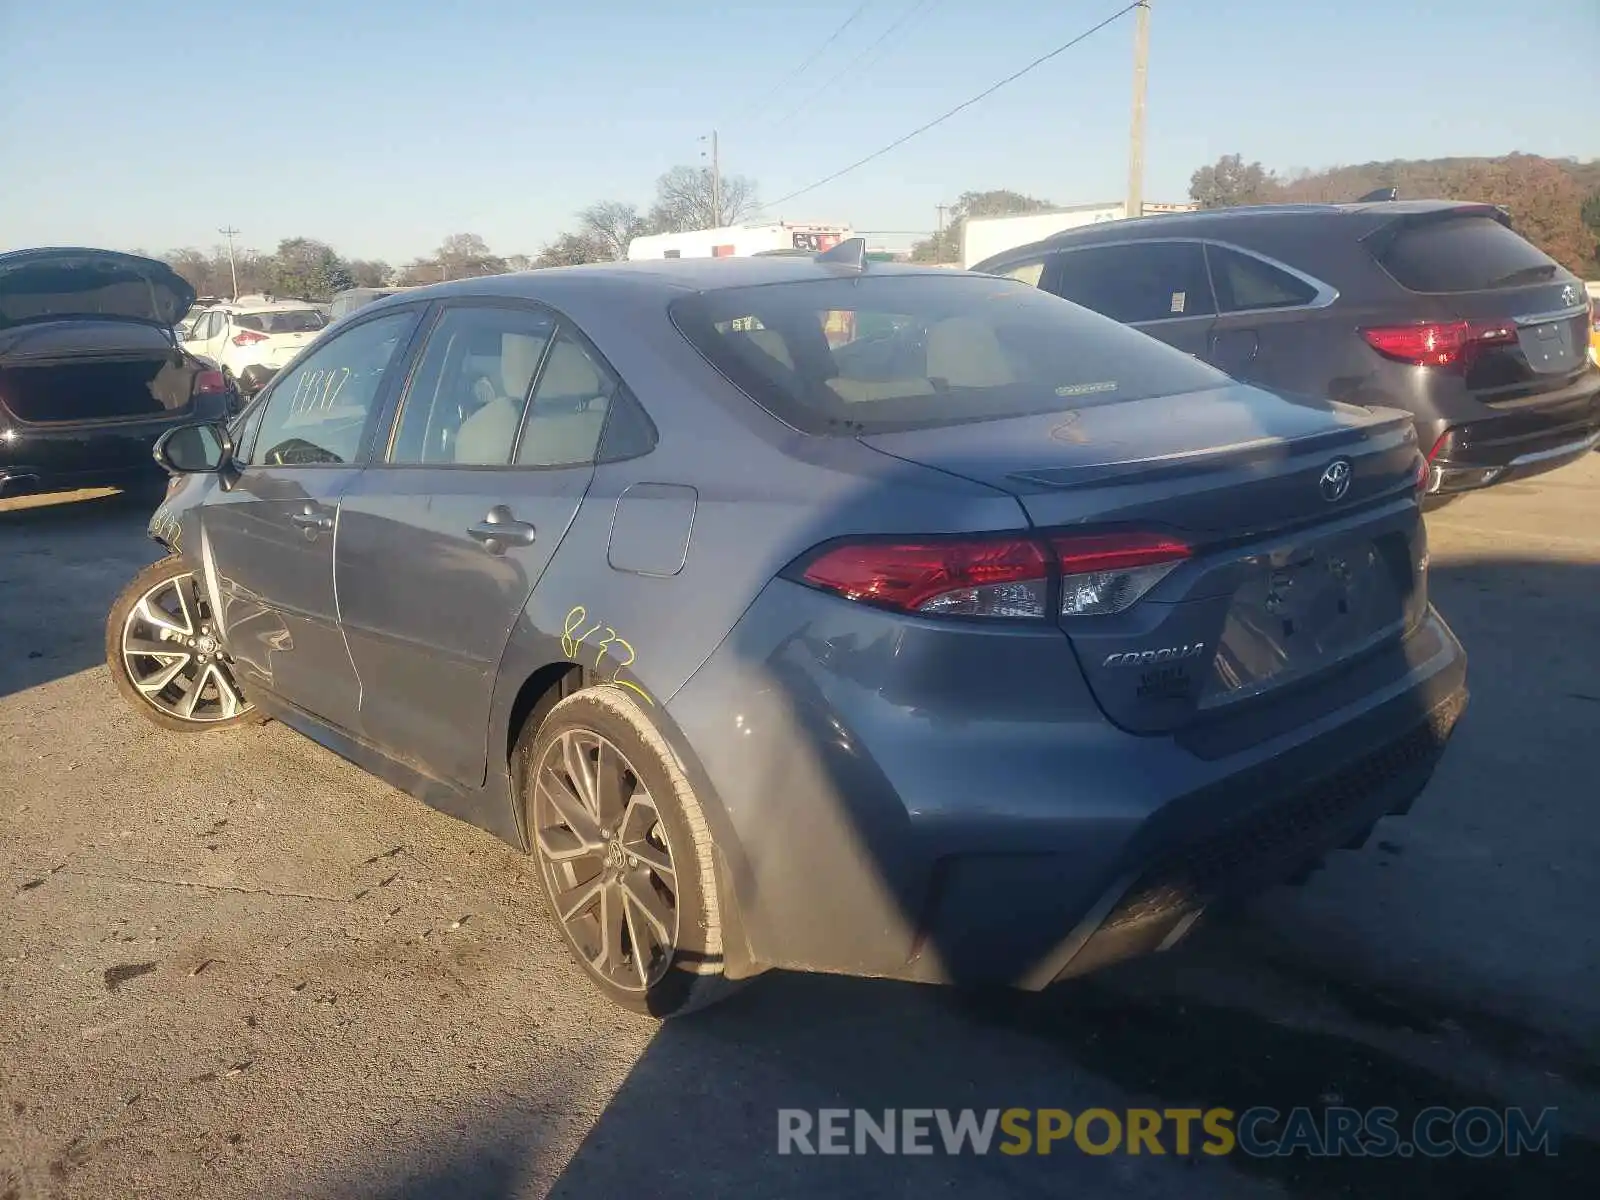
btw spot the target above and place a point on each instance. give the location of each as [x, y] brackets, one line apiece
[233, 965]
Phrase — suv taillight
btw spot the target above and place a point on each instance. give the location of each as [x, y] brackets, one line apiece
[210, 383]
[1440, 343]
[245, 338]
[1005, 576]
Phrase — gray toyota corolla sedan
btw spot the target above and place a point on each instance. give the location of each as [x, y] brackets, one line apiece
[813, 613]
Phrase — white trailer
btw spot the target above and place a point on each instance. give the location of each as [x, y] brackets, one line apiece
[738, 241]
[984, 237]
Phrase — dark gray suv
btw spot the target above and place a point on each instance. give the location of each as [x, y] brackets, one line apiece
[1436, 307]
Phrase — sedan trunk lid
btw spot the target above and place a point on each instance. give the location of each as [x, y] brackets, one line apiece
[78, 282]
[1306, 545]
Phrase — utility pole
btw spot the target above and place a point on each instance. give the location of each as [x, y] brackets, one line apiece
[229, 232]
[1141, 70]
[716, 179]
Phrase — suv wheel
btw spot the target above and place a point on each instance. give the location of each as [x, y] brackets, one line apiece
[165, 655]
[624, 854]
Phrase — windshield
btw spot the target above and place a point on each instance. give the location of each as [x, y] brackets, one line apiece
[860, 355]
[289, 320]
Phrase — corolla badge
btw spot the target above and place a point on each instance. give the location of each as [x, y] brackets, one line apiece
[1335, 481]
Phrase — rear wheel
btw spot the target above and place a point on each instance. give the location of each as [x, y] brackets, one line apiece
[166, 657]
[624, 854]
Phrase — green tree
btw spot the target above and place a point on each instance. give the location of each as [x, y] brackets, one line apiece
[1231, 181]
[370, 272]
[945, 246]
[306, 269]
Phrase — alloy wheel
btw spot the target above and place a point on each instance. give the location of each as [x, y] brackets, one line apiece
[174, 658]
[606, 859]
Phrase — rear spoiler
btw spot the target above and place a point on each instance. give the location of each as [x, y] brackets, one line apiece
[1388, 226]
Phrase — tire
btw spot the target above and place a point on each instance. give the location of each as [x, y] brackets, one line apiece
[139, 676]
[610, 722]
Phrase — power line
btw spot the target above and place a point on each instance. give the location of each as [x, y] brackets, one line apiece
[962, 107]
[815, 54]
[855, 62]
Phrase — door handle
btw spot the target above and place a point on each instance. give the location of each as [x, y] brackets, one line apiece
[310, 520]
[500, 529]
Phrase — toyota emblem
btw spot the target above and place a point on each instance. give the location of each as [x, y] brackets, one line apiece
[1335, 481]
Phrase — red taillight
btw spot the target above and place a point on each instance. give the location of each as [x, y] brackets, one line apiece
[210, 383]
[999, 577]
[1440, 344]
[246, 338]
[1008, 576]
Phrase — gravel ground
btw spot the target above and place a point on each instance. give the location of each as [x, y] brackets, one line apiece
[235, 966]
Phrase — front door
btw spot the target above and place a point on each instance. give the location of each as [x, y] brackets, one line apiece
[269, 538]
[1159, 287]
[442, 543]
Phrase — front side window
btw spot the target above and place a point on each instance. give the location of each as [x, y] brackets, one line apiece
[465, 403]
[317, 413]
[848, 356]
[1139, 281]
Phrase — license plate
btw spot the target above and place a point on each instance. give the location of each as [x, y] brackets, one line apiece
[1549, 346]
[1301, 610]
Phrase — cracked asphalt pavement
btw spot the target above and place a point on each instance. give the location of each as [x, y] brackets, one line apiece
[232, 965]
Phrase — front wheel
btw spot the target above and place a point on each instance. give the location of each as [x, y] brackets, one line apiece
[165, 656]
[624, 853]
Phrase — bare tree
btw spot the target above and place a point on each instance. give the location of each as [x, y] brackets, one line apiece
[685, 200]
[611, 225]
[572, 250]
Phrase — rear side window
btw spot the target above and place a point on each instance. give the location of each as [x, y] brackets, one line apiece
[1025, 272]
[848, 356]
[1245, 283]
[1140, 281]
[1463, 254]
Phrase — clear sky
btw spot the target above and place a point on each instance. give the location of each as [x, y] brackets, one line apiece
[382, 126]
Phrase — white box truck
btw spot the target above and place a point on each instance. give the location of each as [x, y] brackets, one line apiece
[984, 237]
[738, 241]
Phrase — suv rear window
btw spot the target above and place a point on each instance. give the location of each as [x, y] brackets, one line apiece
[1463, 254]
[290, 320]
[862, 355]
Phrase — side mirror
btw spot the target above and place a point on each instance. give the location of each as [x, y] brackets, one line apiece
[194, 449]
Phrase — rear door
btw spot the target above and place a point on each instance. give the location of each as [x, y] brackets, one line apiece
[269, 536]
[1263, 306]
[1159, 287]
[443, 541]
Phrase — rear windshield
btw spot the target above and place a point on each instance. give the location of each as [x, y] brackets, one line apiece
[1464, 254]
[290, 320]
[859, 355]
